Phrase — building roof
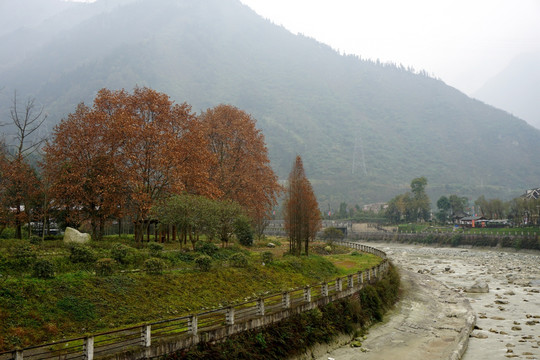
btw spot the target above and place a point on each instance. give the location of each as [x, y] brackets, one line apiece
[532, 194]
[471, 218]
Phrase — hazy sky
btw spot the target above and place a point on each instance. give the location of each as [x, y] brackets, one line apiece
[463, 42]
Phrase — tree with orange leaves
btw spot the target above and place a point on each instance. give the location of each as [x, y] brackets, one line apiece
[302, 214]
[82, 161]
[134, 150]
[242, 173]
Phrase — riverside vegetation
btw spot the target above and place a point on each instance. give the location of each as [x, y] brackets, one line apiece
[295, 335]
[50, 290]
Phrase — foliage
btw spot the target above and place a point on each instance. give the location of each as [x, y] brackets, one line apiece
[74, 299]
[78, 308]
[412, 206]
[154, 266]
[43, 269]
[267, 257]
[302, 215]
[155, 249]
[242, 172]
[23, 256]
[204, 262]
[90, 158]
[243, 231]
[331, 233]
[296, 334]
[105, 267]
[239, 260]
[80, 253]
[120, 252]
[206, 248]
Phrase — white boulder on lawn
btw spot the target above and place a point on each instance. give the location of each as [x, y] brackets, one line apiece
[72, 235]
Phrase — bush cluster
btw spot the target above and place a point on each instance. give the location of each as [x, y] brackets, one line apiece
[105, 267]
[203, 262]
[239, 260]
[154, 266]
[80, 253]
[43, 269]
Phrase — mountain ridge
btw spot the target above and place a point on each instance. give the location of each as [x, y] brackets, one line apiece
[364, 129]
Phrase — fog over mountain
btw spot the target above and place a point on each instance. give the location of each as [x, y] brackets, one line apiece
[363, 129]
[516, 89]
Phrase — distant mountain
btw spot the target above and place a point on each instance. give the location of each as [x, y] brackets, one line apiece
[516, 89]
[364, 129]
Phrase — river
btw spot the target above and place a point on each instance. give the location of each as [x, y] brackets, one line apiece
[507, 316]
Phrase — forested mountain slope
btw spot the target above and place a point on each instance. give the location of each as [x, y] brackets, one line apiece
[363, 129]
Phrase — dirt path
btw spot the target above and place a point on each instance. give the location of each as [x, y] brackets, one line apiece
[430, 322]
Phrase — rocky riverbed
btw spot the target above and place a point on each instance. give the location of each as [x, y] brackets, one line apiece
[502, 287]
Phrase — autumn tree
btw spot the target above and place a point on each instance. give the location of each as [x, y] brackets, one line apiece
[135, 149]
[242, 172]
[82, 161]
[301, 210]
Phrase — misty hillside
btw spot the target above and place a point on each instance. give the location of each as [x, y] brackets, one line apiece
[363, 129]
[516, 89]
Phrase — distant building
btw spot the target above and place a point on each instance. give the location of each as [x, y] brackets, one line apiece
[376, 207]
[532, 194]
[473, 221]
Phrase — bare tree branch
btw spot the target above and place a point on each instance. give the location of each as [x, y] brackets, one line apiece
[27, 121]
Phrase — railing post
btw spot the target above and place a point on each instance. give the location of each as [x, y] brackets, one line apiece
[350, 281]
[286, 300]
[146, 337]
[88, 348]
[229, 316]
[360, 277]
[369, 275]
[339, 284]
[307, 294]
[324, 289]
[193, 323]
[18, 355]
[260, 307]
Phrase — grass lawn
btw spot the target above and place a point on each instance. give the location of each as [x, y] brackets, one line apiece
[76, 301]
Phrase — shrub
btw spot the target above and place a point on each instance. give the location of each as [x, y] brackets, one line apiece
[155, 249]
[206, 248]
[120, 252]
[239, 260]
[332, 233]
[35, 240]
[267, 257]
[43, 269]
[243, 231]
[23, 256]
[105, 267]
[456, 240]
[154, 266]
[204, 262]
[80, 253]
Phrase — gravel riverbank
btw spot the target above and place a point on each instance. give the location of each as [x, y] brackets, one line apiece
[439, 285]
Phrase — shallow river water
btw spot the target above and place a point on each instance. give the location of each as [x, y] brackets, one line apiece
[508, 316]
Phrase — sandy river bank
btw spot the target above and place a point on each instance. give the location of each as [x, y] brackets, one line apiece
[431, 314]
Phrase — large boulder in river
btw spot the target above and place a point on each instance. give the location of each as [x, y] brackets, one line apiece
[478, 287]
[75, 236]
